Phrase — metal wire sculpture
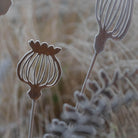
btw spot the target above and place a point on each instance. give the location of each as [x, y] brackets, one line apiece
[39, 68]
[114, 18]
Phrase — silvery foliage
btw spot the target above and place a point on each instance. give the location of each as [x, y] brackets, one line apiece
[92, 115]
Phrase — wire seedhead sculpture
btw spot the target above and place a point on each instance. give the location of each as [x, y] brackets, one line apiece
[39, 68]
[114, 18]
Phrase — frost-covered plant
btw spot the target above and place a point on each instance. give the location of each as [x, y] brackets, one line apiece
[94, 113]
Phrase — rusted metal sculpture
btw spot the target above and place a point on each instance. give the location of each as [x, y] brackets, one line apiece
[39, 68]
[114, 18]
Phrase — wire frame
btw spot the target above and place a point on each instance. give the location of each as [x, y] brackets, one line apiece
[114, 18]
[39, 68]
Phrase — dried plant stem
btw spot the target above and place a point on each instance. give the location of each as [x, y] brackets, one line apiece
[32, 119]
[89, 72]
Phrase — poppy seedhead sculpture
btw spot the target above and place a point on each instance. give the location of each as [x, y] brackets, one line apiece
[39, 68]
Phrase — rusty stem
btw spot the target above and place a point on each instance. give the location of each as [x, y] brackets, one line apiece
[32, 119]
[88, 73]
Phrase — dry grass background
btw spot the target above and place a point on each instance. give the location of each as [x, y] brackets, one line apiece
[71, 25]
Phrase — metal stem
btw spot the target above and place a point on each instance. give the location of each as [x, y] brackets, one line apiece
[32, 119]
[88, 73]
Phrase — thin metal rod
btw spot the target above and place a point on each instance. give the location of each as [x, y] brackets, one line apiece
[32, 119]
[88, 73]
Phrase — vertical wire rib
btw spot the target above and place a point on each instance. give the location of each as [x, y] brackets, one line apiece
[111, 14]
[50, 71]
[53, 74]
[31, 67]
[107, 12]
[24, 64]
[53, 78]
[56, 75]
[49, 67]
[100, 9]
[121, 17]
[36, 64]
[115, 15]
[97, 11]
[19, 71]
[58, 68]
[127, 24]
[27, 65]
[103, 8]
[40, 68]
[44, 73]
[124, 21]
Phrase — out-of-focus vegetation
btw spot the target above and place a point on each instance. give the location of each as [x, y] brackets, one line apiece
[70, 24]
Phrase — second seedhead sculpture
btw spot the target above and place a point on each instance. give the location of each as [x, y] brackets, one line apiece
[113, 18]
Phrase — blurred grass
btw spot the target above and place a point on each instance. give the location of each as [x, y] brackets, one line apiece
[66, 23]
